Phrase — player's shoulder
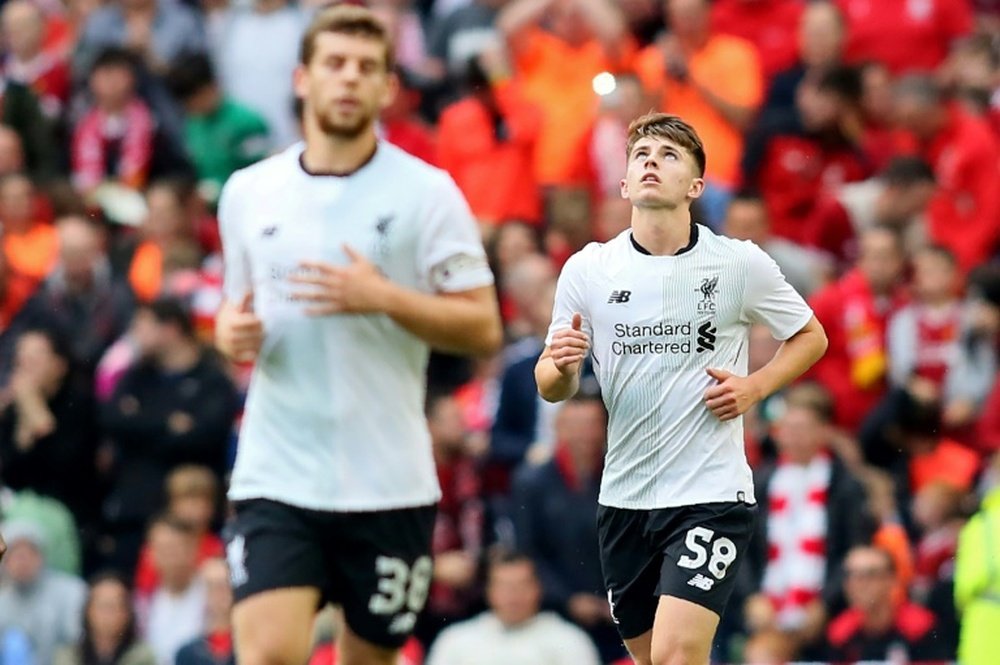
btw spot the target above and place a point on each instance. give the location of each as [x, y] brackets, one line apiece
[266, 169]
[596, 253]
[720, 244]
[412, 171]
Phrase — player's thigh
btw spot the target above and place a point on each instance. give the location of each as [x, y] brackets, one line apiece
[631, 570]
[383, 571]
[276, 566]
[275, 627]
[682, 633]
[640, 648]
[355, 650]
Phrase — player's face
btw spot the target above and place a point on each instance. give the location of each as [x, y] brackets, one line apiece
[661, 174]
[346, 84]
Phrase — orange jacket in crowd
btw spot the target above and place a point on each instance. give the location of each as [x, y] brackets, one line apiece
[495, 174]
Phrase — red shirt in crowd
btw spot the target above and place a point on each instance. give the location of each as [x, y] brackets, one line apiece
[146, 577]
[906, 35]
[411, 654]
[771, 25]
[854, 366]
[492, 158]
[796, 170]
[15, 291]
[987, 438]
[964, 214]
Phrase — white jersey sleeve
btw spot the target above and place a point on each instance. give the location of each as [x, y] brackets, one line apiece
[771, 300]
[570, 296]
[237, 278]
[451, 255]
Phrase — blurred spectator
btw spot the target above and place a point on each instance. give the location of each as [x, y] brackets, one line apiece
[16, 289]
[215, 646]
[11, 152]
[972, 75]
[157, 31]
[965, 154]
[28, 62]
[977, 586]
[937, 513]
[897, 197]
[768, 24]
[478, 401]
[406, 31]
[877, 625]
[45, 604]
[192, 497]
[513, 631]
[769, 647]
[795, 158]
[175, 613]
[62, 539]
[747, 219]
[487, 142]
[256, 51]
[220, 135]
[30, 242]
[460, 526]
[175, 407]
[812, 513]
[556, 66]
[713, 81]
[553, 507]
[929, 361]
[855, 312]
[457, 36]
[81, 298]
[167, 241]
[110, 635]
[48, 433]
[21, 112]
[904, 34]
[627, 101]
[114, 140]
[401, 124]
[523, 419]
[984, 330]
[882, 491]
[930, 455]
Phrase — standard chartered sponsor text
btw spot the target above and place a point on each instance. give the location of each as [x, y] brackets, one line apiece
[674, 338]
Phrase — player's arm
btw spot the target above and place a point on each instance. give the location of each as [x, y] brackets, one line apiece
[557, 371]
[734, 395]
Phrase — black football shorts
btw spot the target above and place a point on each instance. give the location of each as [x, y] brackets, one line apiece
[690, 552]
[376, 565]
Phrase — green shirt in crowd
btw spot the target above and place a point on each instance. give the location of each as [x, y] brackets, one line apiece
[224, 141]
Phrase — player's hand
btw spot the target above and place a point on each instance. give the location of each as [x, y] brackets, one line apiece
[456, 569]
[357, 288]
[239, 333]
[569, 347]
[588, 609]
[3, 547]
[732, 397]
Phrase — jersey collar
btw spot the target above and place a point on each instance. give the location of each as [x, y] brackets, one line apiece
[683, 250]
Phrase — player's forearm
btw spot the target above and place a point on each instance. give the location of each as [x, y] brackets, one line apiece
[553, 385]
[449, 323]
[796, 355]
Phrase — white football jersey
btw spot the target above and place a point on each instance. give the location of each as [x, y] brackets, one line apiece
[656, 324]
[334, 418]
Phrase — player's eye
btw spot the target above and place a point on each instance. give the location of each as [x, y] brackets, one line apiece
[368, 66]
[670, 154]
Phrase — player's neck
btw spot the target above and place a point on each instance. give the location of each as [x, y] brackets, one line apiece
[327, 155]
[662, 232]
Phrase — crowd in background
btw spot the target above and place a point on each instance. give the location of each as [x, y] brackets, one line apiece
[856, 141]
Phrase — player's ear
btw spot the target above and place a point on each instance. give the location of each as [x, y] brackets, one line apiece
[697, 188]
[300, 81]
[391, 90]
[623, 183]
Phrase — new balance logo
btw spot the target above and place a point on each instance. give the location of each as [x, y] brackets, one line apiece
[403, 624]
[269, 232]
[236, 557]
[618, 297]
[701, 582]
[706, 337]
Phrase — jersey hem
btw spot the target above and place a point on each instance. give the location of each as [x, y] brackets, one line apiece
[628, 505]
[296, 502]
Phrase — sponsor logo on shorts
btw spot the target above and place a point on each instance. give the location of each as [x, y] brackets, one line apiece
[699, 581]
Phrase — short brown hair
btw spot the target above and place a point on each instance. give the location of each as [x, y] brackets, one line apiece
[670, 127]
[346, 19]
[192, 480]
[812, 397]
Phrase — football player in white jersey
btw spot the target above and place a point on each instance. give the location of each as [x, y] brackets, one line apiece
[346, 260]
[665, 309]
